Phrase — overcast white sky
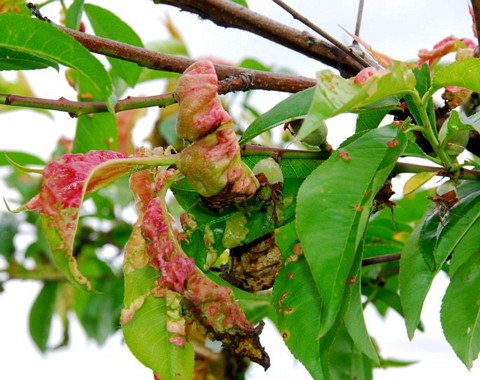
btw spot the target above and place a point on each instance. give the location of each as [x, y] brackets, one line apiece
[397, 28]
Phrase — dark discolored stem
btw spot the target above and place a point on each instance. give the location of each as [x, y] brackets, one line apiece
[231, 15]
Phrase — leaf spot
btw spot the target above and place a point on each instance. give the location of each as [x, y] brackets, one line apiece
[344, 156]
[392, 144]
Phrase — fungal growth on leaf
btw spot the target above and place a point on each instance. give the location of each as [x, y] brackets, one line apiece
[212, 162]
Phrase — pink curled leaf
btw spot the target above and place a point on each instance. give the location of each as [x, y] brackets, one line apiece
[200, 109]
[447, 45]
[64, 184]
[213, 306]
[364, 75]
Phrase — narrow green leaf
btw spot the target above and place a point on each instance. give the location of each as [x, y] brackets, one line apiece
[464, 73]
[415, 280]
[335, 95]
[41, 314]
[460, 313]
[355, 324]
[74, 14]
[95, 132]
[21, 158]
[34, 37]
[294, 107]
[333, 206]
[108, 25]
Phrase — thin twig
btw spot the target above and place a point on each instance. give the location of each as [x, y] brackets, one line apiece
[231, 15]
[476, 16]
[358, 25]
[76, 109]
[381, 259]
[321, 32]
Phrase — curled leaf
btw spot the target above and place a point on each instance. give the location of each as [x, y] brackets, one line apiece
[212, 164]
[64, 185]
[442, 48]
[200, 109]
[212, 305]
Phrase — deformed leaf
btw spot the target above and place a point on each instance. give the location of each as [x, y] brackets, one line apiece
[460, 313]
[148, 321]
[64, 185]
[342, 190]
[335, 95]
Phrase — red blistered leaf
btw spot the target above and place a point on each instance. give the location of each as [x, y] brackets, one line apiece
[212, 305]
[200, 109]
[64, 185]
[442, 48]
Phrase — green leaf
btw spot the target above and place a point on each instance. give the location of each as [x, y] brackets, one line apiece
[241, 2]
[12, 59]
[370, 119]
[333, 206]
[463, 73]
[26, 35]
[415, 280]
[355, 324]
[459, 221]
[108, 25]
[460, 312]
[466, 248]
[440, 236]
[9, 224]
[335, 95]
[417, 180]
[294, 107]
[345, 359]
[21, 158]
[41, 314]
[423, 84]
[299, 310]
[73, 16]
[98, 313]
[96, 132]
[147, 318]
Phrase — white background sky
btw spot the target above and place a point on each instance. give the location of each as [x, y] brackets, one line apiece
[397, 28]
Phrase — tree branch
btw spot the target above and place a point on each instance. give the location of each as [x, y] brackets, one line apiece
[380, 259]
[321, 32]
[231, 15]
[476, 17]
[251, 79]
[76, 109]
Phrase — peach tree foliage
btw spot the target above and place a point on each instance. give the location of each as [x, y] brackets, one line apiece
[306, 237]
